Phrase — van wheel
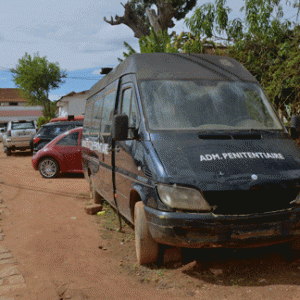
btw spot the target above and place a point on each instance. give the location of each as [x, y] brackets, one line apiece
[8, 152]
[94, 195]
[147, 249]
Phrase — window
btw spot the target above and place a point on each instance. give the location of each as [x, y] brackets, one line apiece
[128, 106]
[108, 111]
[96, 121]
[55, 130]
[22, 125]
[87, 119]
[69, 140]
[206, 105]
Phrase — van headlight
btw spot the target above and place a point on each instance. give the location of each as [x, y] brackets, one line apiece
[182, 197]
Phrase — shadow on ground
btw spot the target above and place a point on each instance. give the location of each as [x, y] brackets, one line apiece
[243, 267]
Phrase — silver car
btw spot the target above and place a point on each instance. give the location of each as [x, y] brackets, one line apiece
[18, 135]
[2, 130]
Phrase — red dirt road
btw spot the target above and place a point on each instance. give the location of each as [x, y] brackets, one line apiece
[56, 245]
[55, 242]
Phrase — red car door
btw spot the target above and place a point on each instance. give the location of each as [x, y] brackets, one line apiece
[70, 149]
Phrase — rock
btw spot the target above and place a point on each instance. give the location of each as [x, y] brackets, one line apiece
[216, 271]
[92, 209]
[188, 267]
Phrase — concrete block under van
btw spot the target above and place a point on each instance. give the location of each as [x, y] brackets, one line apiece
[195, 153]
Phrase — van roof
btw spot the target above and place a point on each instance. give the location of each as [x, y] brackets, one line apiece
[177, 66]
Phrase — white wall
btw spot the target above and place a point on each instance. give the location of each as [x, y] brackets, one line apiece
[72, 106]
[21, 113]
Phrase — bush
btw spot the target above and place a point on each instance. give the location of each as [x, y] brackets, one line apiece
[41, 121]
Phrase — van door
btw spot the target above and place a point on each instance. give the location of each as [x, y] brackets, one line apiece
[104, 176]
[125, 150]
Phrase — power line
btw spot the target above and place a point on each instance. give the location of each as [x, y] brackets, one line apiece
[83, 78]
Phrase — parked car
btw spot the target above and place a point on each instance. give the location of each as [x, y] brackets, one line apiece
[63, 154]
[198, 155]
[18, 135]
[2, 130]
[49, 131]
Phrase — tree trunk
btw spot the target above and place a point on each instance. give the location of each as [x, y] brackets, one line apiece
[153, 19]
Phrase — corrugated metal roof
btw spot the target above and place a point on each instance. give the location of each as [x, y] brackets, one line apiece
[177, 66]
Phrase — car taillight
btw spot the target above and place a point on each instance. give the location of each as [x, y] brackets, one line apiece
[9, 133]
[36, 140]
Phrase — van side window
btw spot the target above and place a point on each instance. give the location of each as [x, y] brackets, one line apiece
[97, 112]
[128, 106]
[87, 119]
[108, 111]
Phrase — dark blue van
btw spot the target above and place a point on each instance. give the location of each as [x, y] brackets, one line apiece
[188, 148]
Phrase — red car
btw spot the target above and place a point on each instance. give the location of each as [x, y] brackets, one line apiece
[63, 154]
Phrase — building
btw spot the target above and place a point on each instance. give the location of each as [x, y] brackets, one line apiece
[72, 104]
[12, 107]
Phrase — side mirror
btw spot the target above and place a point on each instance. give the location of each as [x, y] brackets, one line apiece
[119, 128]
[295, 126]
[295, 122]
[292, 132]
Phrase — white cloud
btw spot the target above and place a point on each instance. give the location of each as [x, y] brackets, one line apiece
[97, 72]
[54, 97]
[72, 33]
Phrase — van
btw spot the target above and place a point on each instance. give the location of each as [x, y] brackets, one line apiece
[188, 148]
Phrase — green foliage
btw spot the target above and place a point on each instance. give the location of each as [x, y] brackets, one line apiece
[160, 42]
[41, 121]
[130, 51]
[44, 120]
[207, 17]
[36, 76]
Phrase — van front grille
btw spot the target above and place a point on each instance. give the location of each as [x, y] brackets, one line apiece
[147, 173]
[251, 201]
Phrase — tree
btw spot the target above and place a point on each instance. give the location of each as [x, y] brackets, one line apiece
[138, 16]
[35, 77]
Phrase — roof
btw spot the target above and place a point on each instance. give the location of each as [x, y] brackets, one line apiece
[176, 66]
[78, 123]
[11, 95]
[72, 95]
[76, 118]
[20, 113]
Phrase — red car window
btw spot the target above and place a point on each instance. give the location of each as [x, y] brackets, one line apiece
[69, 140]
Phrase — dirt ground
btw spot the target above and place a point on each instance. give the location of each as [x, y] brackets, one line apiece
[63, 253]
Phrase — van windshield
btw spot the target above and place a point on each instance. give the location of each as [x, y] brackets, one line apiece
[207, 105]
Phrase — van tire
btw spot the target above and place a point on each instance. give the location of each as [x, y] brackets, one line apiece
[8, 152]
[295, 244]
[147, 249]
[94, 195]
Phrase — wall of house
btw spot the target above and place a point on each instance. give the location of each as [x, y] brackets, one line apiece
[7, 104]
[63, 110]
[72, 106]
[17, 113]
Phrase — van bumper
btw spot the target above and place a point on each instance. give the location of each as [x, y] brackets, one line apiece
[195, 230]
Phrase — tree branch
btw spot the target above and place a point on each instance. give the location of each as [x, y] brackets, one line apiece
[132, 20]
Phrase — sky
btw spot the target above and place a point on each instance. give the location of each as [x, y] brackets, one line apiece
[74, 34]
